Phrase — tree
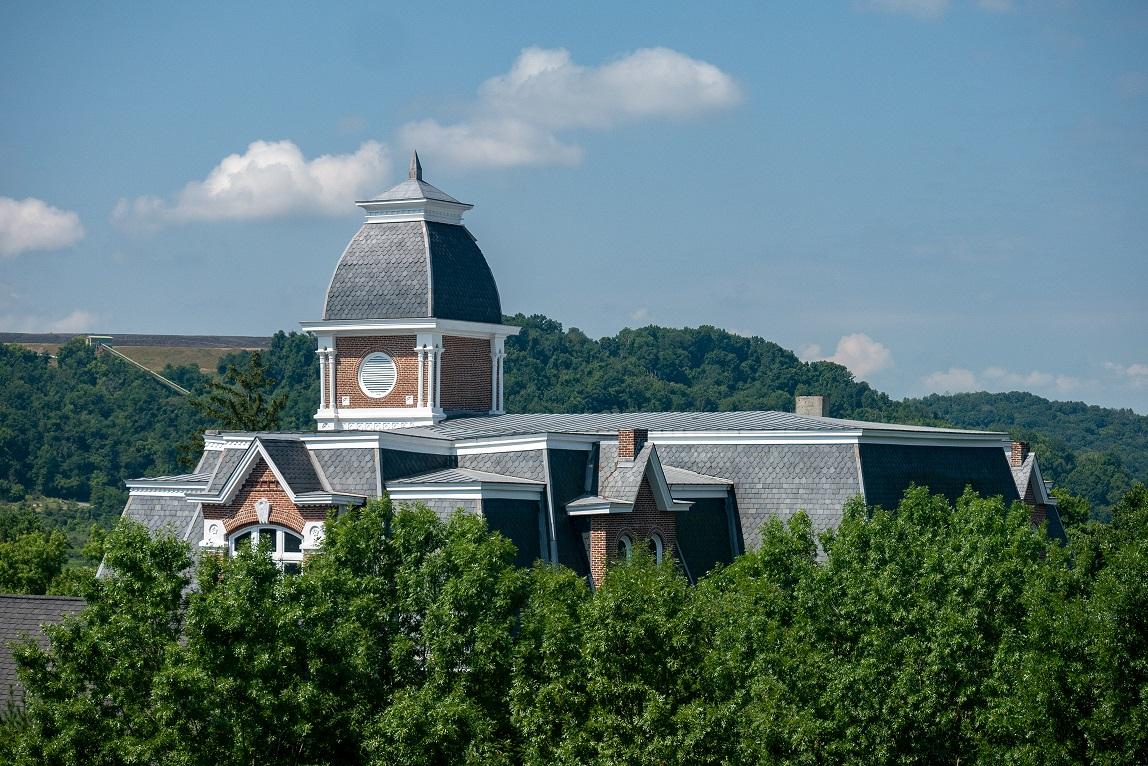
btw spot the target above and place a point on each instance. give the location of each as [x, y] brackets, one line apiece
[89, 693]
[31, 556]
[242, 401]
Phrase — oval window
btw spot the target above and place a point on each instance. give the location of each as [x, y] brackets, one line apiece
[377, 375]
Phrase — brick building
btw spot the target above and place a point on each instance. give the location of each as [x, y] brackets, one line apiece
[411, 348]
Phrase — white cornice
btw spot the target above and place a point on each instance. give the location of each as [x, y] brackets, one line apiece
[409, 325]
[465, 491]
[598, 508]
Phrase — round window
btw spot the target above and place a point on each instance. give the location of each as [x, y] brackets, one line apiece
[377, 375]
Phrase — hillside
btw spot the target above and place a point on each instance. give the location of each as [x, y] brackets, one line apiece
[76, 430]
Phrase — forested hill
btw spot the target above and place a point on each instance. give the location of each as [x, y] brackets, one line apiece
[78, 427]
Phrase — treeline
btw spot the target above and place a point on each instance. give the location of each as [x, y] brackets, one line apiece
[937, 633]
[75, 429]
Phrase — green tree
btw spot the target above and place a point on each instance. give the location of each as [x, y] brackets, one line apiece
[89, 694]
[243, 400]
[31, 556]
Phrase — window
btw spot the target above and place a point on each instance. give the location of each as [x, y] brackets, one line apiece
[285, 547]
[624, 547]
[377, 375]
[657, 548]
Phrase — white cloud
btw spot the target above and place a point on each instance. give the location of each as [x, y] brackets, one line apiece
[270, 179]
[957, 379]
[921, 9]
[951, 381]
[518, 115]
[32, 224]
[859, 353]
[641, 314]
[77, 321]
[1136, 375]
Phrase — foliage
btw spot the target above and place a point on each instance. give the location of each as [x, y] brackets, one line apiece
[294, 366]
[932, 633]
[76, 426]
[242, 400]
[31, 556]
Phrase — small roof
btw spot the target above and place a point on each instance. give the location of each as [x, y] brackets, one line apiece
[414, 187]
[463, 476]
[675, 475]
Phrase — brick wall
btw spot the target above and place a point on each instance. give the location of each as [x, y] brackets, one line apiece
[465, 374]
[631, 441]
[261, 482]
[644, 521]
[350, 352]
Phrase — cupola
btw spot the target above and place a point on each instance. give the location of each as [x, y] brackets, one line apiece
[412, 323]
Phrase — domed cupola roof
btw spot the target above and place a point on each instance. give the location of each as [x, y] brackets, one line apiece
[413, 258]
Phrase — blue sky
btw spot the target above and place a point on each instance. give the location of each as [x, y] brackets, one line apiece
[941, 195]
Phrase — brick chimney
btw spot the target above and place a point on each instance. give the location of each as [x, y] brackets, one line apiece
[631, 441]
[811, 405]
[1019, 453]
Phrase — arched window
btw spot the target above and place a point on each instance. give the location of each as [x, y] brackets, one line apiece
[285, 547]
[625, 548]
[657, 547]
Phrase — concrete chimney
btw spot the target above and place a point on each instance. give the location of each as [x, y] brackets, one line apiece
[811, 405]
[631, 441]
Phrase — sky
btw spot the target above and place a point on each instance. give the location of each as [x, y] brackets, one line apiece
[942, 195]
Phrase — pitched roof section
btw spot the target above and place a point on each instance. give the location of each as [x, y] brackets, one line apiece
[22, 617]
[620, 480]
[464, 476]
[413, 269]
[464, 427]
[293, 460]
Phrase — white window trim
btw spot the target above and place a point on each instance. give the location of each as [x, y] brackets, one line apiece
[278, 555]
[362, 365]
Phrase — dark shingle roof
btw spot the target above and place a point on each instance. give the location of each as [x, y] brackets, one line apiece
[294, 463]
[162, 513]
[889, 469]
[385, 274]
[463, 476]
[21, 617]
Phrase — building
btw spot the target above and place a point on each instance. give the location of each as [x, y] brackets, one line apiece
[412, 348]
[21, 618]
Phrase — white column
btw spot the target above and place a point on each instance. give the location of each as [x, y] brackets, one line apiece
[493, 378]
[431, 371]
[438, 377]
[331, 379]
[421, 352]
[322, 352]
[501, 357]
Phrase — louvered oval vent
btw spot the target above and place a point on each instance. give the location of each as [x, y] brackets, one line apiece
[377, 375]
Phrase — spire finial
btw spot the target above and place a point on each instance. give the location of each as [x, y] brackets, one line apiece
[416, 171]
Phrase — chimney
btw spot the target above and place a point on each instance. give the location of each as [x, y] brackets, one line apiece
[630, 442]
[811, 405]
[1019, 453]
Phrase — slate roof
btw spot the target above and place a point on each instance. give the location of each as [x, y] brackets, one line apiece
[889, 469]
[464, 476]
[413, 189]
[618, 480]
[1021, 475]
[349, 470]
[411, 269]
[21, 617]
[776, 479]
[675, 475]
[463, 427]
[162, 513]
[292, 459]
[224, 467]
